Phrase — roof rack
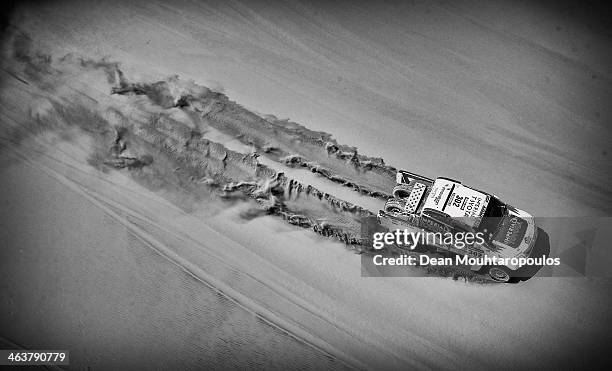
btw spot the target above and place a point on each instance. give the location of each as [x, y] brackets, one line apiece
[415, 176]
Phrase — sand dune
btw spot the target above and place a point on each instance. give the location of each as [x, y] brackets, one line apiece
[145, 219]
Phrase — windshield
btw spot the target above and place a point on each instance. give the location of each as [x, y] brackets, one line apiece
[492, 217]
[496, 208]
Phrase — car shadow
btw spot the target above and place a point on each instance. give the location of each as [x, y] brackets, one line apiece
[541, 248]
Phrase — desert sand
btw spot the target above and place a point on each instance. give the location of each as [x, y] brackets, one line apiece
[131, 264]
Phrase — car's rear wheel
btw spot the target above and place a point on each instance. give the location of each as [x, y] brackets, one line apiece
[499, 274]
[395, 205]
[401, 190]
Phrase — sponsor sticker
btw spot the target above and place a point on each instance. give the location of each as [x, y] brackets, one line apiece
[466, 202]
[511, 231]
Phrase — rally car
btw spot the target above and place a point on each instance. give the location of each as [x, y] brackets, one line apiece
[421, 204]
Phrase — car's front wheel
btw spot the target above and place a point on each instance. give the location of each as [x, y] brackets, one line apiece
[499, 273]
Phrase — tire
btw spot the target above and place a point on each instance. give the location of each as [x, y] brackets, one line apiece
[500, 274]
[395, 205]
[401, 191]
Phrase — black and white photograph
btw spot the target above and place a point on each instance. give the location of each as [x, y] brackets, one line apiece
[308, 185]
